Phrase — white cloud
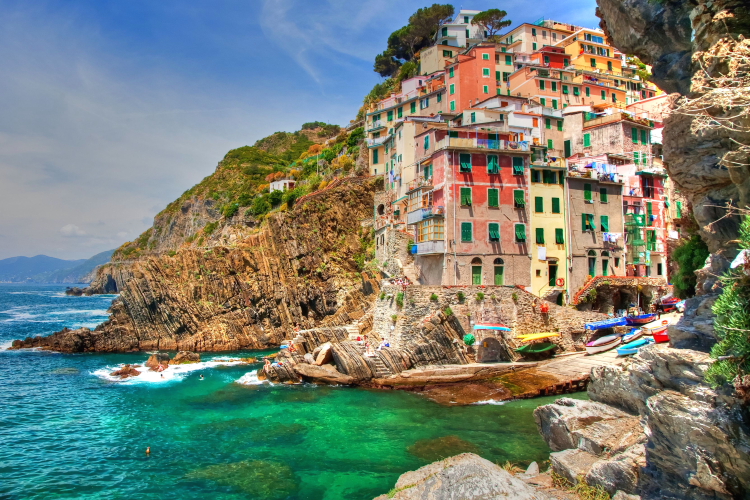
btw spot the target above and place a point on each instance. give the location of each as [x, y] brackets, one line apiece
[69, 230]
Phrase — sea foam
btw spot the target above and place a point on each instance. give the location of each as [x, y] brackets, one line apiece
[173, 373]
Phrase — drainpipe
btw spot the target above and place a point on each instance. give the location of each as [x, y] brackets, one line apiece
[569, 252]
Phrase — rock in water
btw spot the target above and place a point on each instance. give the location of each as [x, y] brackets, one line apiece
[325, 375]
[126, 372]
[160, 358]
[435, 449]
[465, 477]
[185, 357]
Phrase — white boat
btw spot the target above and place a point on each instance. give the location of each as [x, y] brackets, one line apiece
[603, 344]
[634, 334]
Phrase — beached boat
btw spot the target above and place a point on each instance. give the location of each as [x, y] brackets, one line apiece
[640, 320]
[528, 337]
[536, 348]
[634, 334]
[603, 344]
[634, 347]
[491, 326]
[607, 323]
[658, 332]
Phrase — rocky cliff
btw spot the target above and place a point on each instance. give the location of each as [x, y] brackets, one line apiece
[298, 270]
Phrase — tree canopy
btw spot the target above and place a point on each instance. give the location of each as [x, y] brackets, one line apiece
[492, 21]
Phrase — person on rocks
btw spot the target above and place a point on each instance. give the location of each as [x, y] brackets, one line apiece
[202, 377]
[383, 343]
[267, 365]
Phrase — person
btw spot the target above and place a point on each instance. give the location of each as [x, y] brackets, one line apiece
[383, 343]
[368, 352]
[267, 365]
[291, 348]
[162, 375]
[202, 377]
[148, 450]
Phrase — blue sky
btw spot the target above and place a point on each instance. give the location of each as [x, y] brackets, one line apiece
[111, 109]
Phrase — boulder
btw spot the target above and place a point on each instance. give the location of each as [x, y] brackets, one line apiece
[466, 477]
[126, 372]
[572, 464]
[620, 472]
[621, 495]
[557, 421]
[309, 358]
[610, 436]
[322, 374]
[185, 357]
[532, 469]
[160, 358]
[325, 355]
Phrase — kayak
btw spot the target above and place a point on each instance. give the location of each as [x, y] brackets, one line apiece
[603, 344]
[633, 347]
[607, 323]
[537, 336]
[491, 326]
[536, 348]
[640, 320]
[634, 334]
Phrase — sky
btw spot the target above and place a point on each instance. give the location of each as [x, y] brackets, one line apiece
[110, 109]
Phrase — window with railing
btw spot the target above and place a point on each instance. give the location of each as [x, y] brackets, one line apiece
[431, 230]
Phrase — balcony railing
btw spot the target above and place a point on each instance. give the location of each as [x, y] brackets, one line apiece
[418, 183]
[590, 173]
[491, 144]
[423, 213]
[431, 247]
[377, 141]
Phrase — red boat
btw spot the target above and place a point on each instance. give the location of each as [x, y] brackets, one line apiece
[659, 332]
[669, 304]
[640, 320]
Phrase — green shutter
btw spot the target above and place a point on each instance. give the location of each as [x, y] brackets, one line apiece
[450, 72]
[644, 136]
[493, 197]
[634, 135]
[539, 204]
[590, 221]
[466, 232]
[520, 232]
[679, 210]
[427, 142]
[555, 205]
[541, 84]
[564, 89]
[584, 221]
[499, 276]
[390, 116]
[414, 107]
[576, 91]
[493, 166]
[562, 178]
[649, 211]
[603, 196]
[542, 100]
[401, 112]
[540, 235]
[497, 76]
[494, 231]
[554, 103]
[465, 162]
[586, 140]
[588, 91]
[587, 192]
[535, 176]
[547, 123]
[517, 165]
[605, 223]
[518, 198]
[559, 236]
[375, 155]
[466, 196]
[554, 86]
[636, 157]
[568, 150]
[550, 144]
[559, 125]
[509, 60]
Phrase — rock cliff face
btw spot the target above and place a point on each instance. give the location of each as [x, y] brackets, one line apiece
[296, 271]
[668, 34]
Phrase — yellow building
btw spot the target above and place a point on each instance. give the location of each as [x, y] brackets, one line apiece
[548, 223]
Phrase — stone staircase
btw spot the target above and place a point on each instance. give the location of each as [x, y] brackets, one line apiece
[352, 329]
[410, 271]
[376, 365]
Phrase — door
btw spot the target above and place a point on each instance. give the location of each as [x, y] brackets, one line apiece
[552, 270]
[476, 275]
[592, 266]
[499, 275]
[568, 151]
[605, 266]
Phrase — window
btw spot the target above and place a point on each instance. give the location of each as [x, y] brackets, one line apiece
[593, 62]
[541, 84]
[452, 88]
[486, 57]
[390, 116]
[538, 204]
[517, 165]
[486, 89]
[588, 92]
[568, 149]
[453, 106]
[634, 135]
[617, 261]
[465, 196]
[464, 162]
[564, 89]
[587, 193]
[466, 19]
[493, 198]
[678, 209]
[430, 230]
[609, 65]
[375, 156]
[605, 223]
[424, 103]
[546, 59]
[550, 144]
[543, 101]
[473, 117]
[440, 97]
[485, 72]
[427, 142]
[450, 72]
[560, 125]
[555, 205]
[540, 236]
[659, 269]
[592, 263]
[413, 107]
[445, 32]
[554, 86]
[494, 230]
[535, 176]
[467, 232]
[614, 97]
[506, 76]
[554, 103]
[604, 95]
[401, 112]
[533, 31]
[499, 281]
[559, 236]
[497, 76]
[576, 91]
[533, 46]
[520, 233]
[636, 157]
[566, 62]
[605, 267]
[547, 123]
[447, 53]
[587, 222]
[645, 139]
[467, 34]
[508, 60]
[586, 140]
[493, 165]
[519, 199]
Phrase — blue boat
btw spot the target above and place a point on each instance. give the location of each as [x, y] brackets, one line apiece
[633, 347]
[607, 323]
[640, 320]
[634, 334]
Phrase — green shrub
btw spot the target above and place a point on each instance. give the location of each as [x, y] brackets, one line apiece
[382, 295]
[400, 299]
[448, 311]
[514, 296]
[461, 296]
[274, 197]
[260, 206]
[210, 228]
[434, 297]
[394, 317]
[480, 296]
[689, 256]
[171, 253]
[732, 322]
[230, 210]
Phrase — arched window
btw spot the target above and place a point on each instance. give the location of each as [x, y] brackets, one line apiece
[605, 253]
[605, 263]
[476, 271]
[499, 262]
[499, 272]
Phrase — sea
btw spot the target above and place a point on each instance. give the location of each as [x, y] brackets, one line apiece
[69, 430]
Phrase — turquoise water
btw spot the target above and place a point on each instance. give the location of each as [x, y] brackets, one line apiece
[68, 431]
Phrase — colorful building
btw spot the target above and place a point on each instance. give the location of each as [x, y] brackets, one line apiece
[460, 32]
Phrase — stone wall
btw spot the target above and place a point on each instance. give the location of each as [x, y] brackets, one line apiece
[392, 250]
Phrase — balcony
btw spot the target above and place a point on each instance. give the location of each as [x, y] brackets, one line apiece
[617, 116]
[376, 125]
[489, 144]
[379, 141]
[419, 183]
[423, 213]
[431, 247]
[635, 220]
[590, 173]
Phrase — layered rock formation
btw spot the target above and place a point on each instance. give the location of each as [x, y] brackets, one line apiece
[296, 271]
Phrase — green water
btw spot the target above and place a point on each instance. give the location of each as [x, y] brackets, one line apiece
[68, 431]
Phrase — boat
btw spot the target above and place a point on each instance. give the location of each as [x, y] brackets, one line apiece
[537, 336]
[491, 326]
[634, 334]
[607, 323]
[670, 300]
[640, 320]
[633, 347]
[658, 332]
[603, 344]
[536, 348]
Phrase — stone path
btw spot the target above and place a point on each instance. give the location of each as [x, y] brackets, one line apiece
[580, 365]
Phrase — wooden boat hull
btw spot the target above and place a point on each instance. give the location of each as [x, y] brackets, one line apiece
[603, 347]
[640, 320]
